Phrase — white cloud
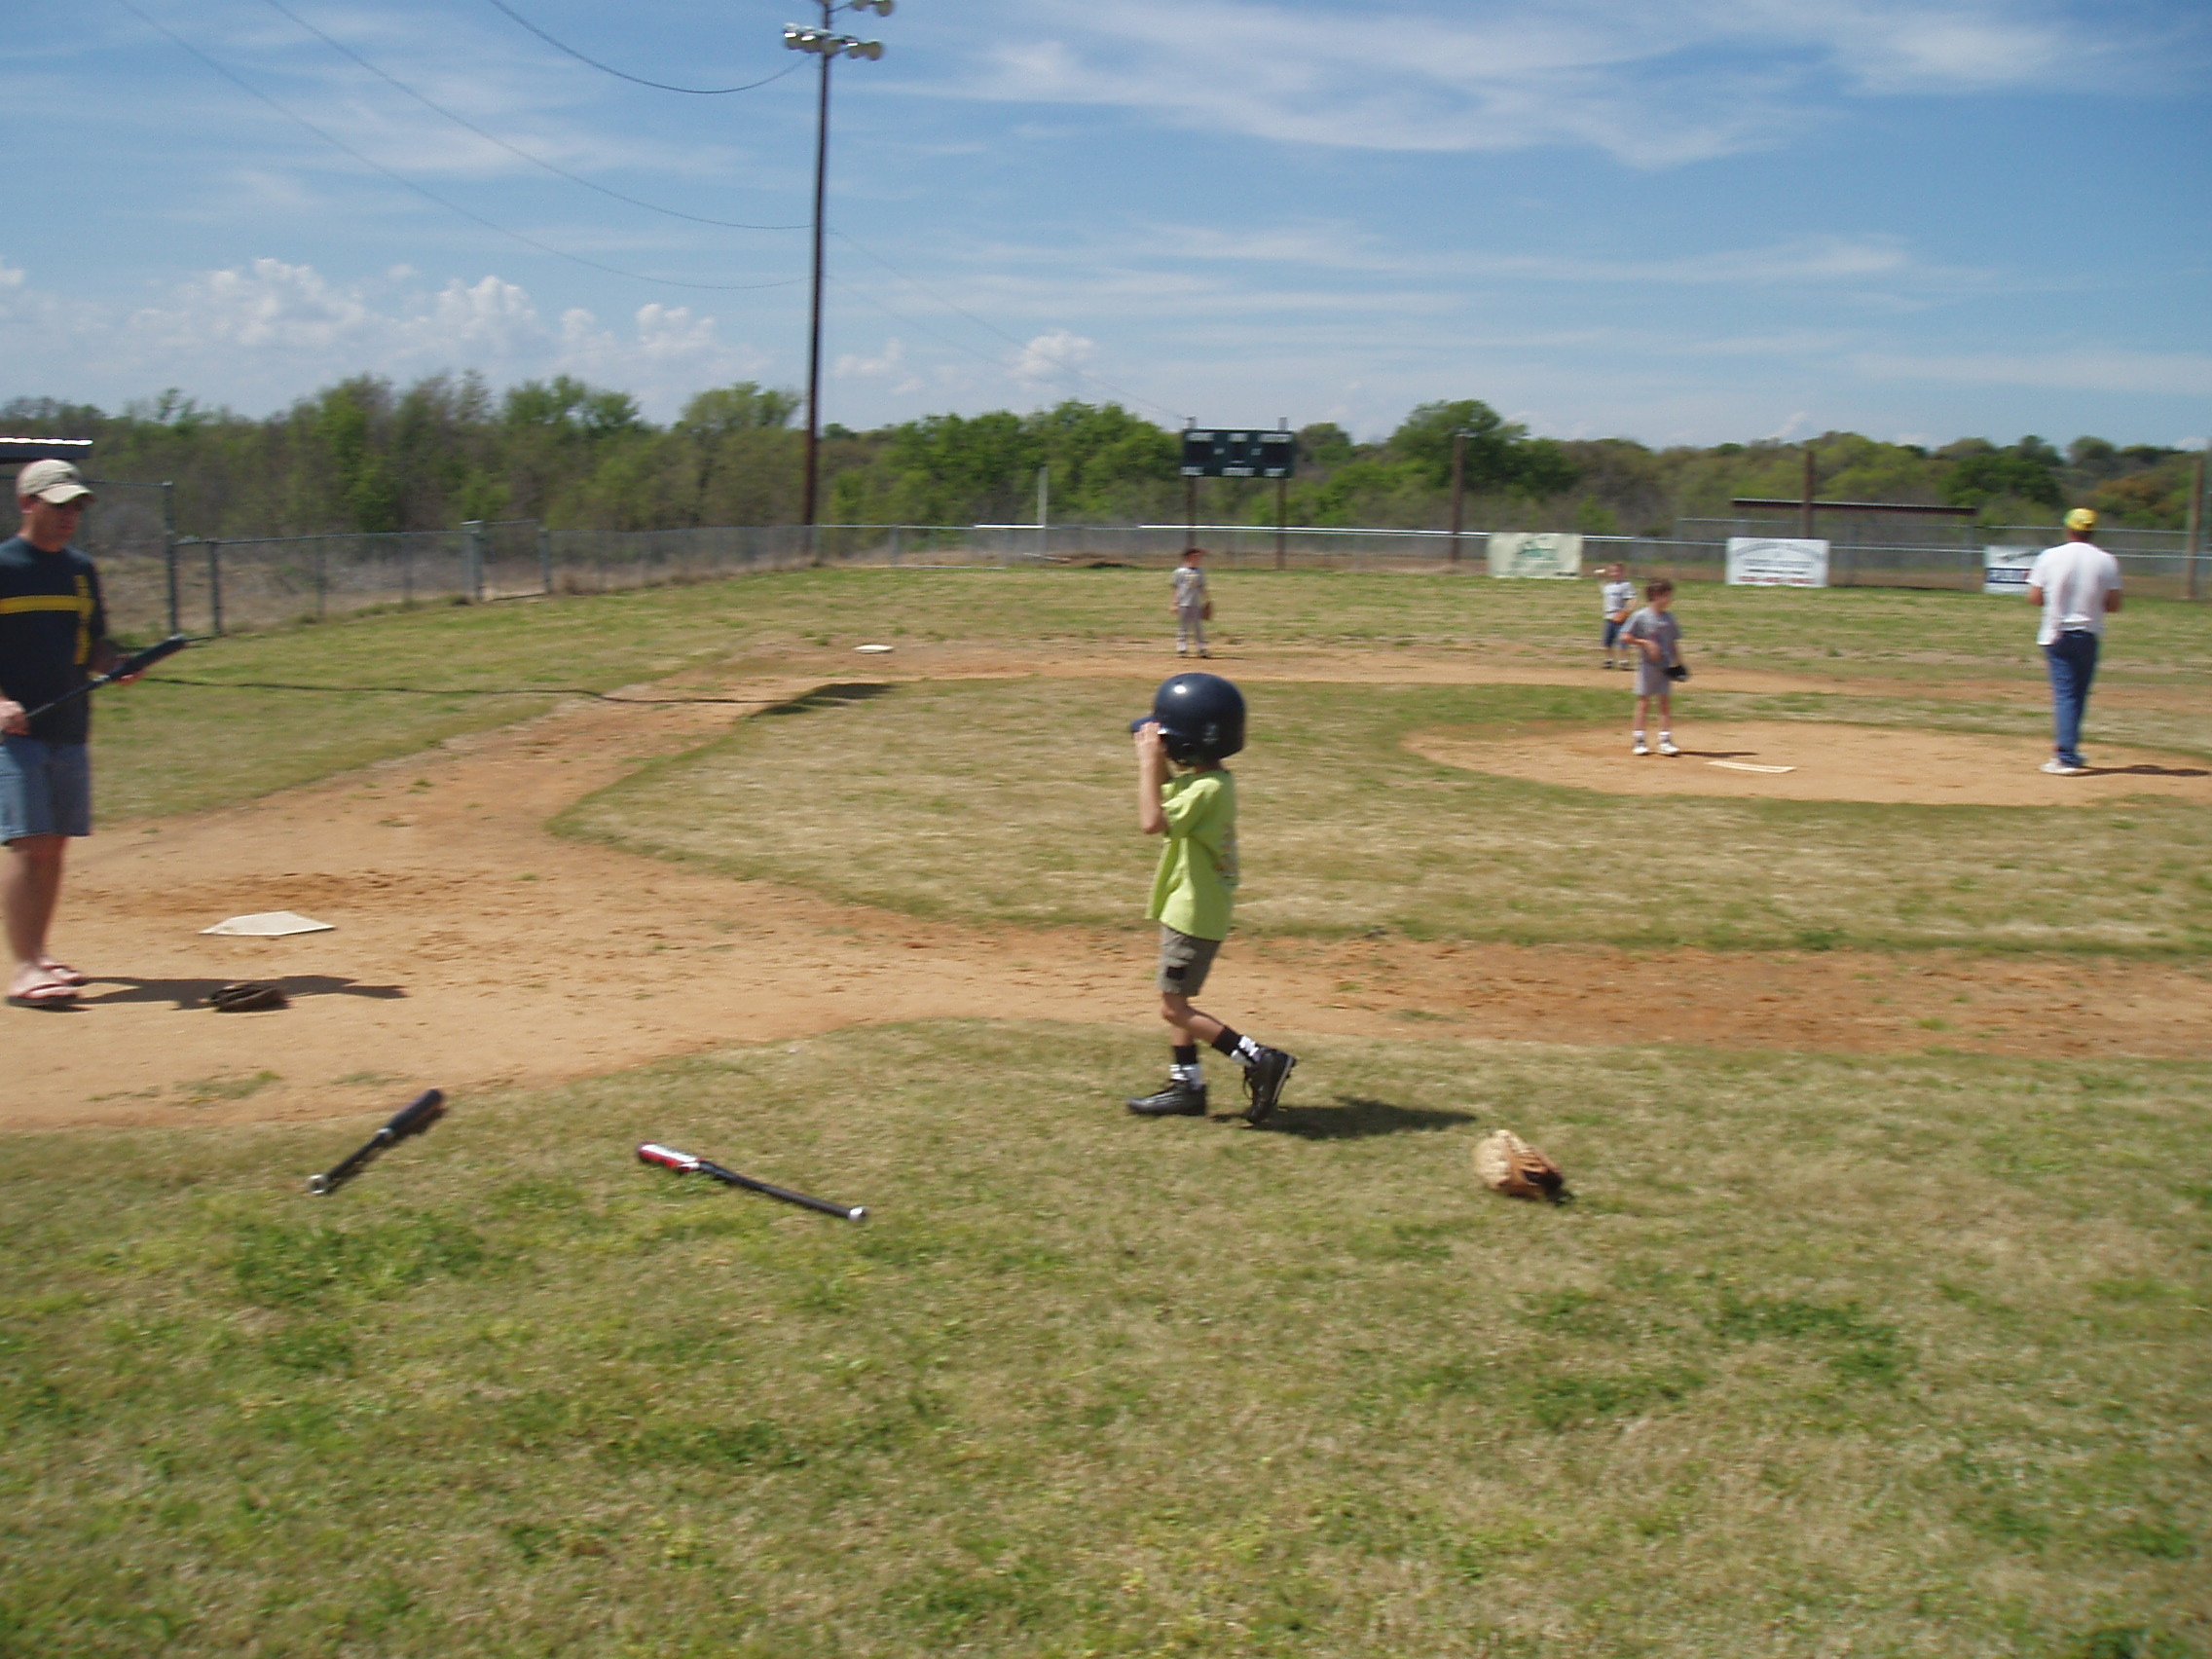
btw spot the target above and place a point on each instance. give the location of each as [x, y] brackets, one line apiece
[2155, 374]
[852, 365]
[1054, 356]
[1655, 86]
[1818, 259]
[257, 334]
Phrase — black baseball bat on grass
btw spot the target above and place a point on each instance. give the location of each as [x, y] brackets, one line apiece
[412, 1119]
[668, 1157]
[137, 662]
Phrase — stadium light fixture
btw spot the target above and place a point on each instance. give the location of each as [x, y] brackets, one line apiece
[827, 44]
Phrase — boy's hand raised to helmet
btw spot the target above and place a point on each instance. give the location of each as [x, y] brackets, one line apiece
[1152, 772]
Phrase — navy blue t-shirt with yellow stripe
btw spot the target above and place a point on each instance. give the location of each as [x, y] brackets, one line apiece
[50, 620]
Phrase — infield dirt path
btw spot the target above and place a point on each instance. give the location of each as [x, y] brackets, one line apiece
[474, 949]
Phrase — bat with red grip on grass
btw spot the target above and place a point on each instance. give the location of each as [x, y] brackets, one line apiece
[668, 1157]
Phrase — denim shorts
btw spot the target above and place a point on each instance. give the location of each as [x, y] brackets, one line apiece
[46, 789]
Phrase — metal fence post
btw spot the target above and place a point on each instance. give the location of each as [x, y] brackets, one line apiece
[321, 581]
[2195, 588]
[214, 586]
[894, 544]
[544, 560]
[168, 555]
[474, 578]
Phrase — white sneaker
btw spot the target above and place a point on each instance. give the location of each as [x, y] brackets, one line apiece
[1667, 746]
[1641, 747]
[2059, 768]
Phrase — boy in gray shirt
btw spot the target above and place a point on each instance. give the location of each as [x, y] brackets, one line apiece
[1654, 633]
[1192, 610]
[1617, 601]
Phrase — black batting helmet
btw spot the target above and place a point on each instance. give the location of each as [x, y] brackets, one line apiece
[1200, 715]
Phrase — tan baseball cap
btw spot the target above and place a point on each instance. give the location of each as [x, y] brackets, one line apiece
[2082, 518]
[55, 481]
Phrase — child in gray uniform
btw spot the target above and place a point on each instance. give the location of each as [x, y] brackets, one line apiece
[1657, 638]
[1192, 610]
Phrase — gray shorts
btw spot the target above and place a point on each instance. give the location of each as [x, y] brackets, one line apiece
[1184, 962]
[1650, 678]
[46, 789]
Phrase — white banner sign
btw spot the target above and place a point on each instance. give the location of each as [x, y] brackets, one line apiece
[2005, 570]
[1556, 553]
[1759, 561]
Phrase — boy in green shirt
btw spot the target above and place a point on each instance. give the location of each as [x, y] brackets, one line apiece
[1196, 723]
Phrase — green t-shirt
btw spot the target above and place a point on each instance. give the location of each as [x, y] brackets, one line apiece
[1195, 887]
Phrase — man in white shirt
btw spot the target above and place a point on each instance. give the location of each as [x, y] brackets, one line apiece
[2078, 585]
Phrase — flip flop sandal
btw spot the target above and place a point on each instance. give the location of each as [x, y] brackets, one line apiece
[62, 973]
[53, 994]
[247, 997]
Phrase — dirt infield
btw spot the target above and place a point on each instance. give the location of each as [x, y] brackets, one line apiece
[473, 948]
[1826, 761]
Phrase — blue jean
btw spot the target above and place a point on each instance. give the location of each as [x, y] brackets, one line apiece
[46, 789]
[2072, 659]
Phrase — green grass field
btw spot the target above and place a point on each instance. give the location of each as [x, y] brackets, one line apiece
[985, 801]
[1832, 1356]
[1829, 1358]
[166, 747]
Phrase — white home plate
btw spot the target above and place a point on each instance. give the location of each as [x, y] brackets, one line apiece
[270, 924]
[1746, 766]
[873, 650]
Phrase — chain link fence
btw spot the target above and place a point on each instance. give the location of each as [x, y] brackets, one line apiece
[155, 585]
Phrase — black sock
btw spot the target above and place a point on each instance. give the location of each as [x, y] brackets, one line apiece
[1186, 1053]
[1225, 1043]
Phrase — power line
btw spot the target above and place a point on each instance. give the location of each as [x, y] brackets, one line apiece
[981, 322]
[512, 149]
[254, 92]
[625, 75]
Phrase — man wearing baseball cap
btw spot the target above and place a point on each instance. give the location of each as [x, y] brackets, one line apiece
[2078, 585]
[52, 639]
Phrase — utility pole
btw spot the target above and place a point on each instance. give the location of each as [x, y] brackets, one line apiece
[1190, 497]
[1805, 509]
[826, 45]
[1044, 512]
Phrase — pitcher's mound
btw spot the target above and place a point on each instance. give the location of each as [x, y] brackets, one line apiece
[1827, 762]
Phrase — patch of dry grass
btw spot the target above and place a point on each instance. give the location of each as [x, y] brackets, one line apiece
[1831, 1355]
[1010, 802]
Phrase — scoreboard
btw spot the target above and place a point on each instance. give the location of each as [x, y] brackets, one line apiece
[1240, 454]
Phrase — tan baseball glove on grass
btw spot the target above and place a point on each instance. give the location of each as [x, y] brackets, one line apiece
[1507, 1164]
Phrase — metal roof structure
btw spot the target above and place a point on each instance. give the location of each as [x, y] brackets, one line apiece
[16, 451]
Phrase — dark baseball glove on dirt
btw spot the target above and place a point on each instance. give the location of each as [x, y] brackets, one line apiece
[247, 996]
[1678, 671]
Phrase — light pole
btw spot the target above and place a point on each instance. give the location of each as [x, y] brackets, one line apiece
[827, 44]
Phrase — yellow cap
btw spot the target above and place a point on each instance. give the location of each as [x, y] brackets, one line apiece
[2082, 518]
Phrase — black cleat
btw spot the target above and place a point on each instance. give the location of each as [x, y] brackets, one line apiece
[1176, 1100]
[1264, 1079]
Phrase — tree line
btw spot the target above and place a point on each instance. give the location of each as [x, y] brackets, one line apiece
[365, 455]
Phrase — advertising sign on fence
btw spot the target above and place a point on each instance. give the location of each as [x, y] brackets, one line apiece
[2005, 570]
[1556, 553]
[1761, 561]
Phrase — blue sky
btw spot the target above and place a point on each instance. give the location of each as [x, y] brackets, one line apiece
[1680, 222]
